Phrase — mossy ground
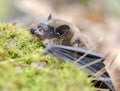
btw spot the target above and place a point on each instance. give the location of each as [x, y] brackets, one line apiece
[23, 69]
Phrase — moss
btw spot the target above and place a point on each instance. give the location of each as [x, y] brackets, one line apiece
[23, 69]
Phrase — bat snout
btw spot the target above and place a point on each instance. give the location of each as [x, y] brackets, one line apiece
[43, 31]
[31, 30]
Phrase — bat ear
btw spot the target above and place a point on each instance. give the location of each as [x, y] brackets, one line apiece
[61, 30]
[49, 17]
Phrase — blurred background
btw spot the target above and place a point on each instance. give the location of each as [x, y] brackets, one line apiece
[97, 19]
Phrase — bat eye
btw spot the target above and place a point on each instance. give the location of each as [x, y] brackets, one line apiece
[61, 30]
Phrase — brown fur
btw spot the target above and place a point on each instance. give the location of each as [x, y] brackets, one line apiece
[73, 38]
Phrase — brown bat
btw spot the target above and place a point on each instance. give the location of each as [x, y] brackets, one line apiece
[59, 32]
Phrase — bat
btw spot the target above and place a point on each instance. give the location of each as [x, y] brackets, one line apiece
[61, 39]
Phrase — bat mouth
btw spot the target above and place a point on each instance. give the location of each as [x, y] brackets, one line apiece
[41, 33]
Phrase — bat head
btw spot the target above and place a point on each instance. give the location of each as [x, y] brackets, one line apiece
[52, 29]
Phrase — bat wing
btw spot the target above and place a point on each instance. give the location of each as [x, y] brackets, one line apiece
[80, 57]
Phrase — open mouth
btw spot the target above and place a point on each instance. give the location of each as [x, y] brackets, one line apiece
[39, 32]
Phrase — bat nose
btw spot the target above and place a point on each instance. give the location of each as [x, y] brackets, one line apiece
[32, 30]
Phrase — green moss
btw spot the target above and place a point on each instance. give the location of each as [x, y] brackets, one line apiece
[23, 69]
